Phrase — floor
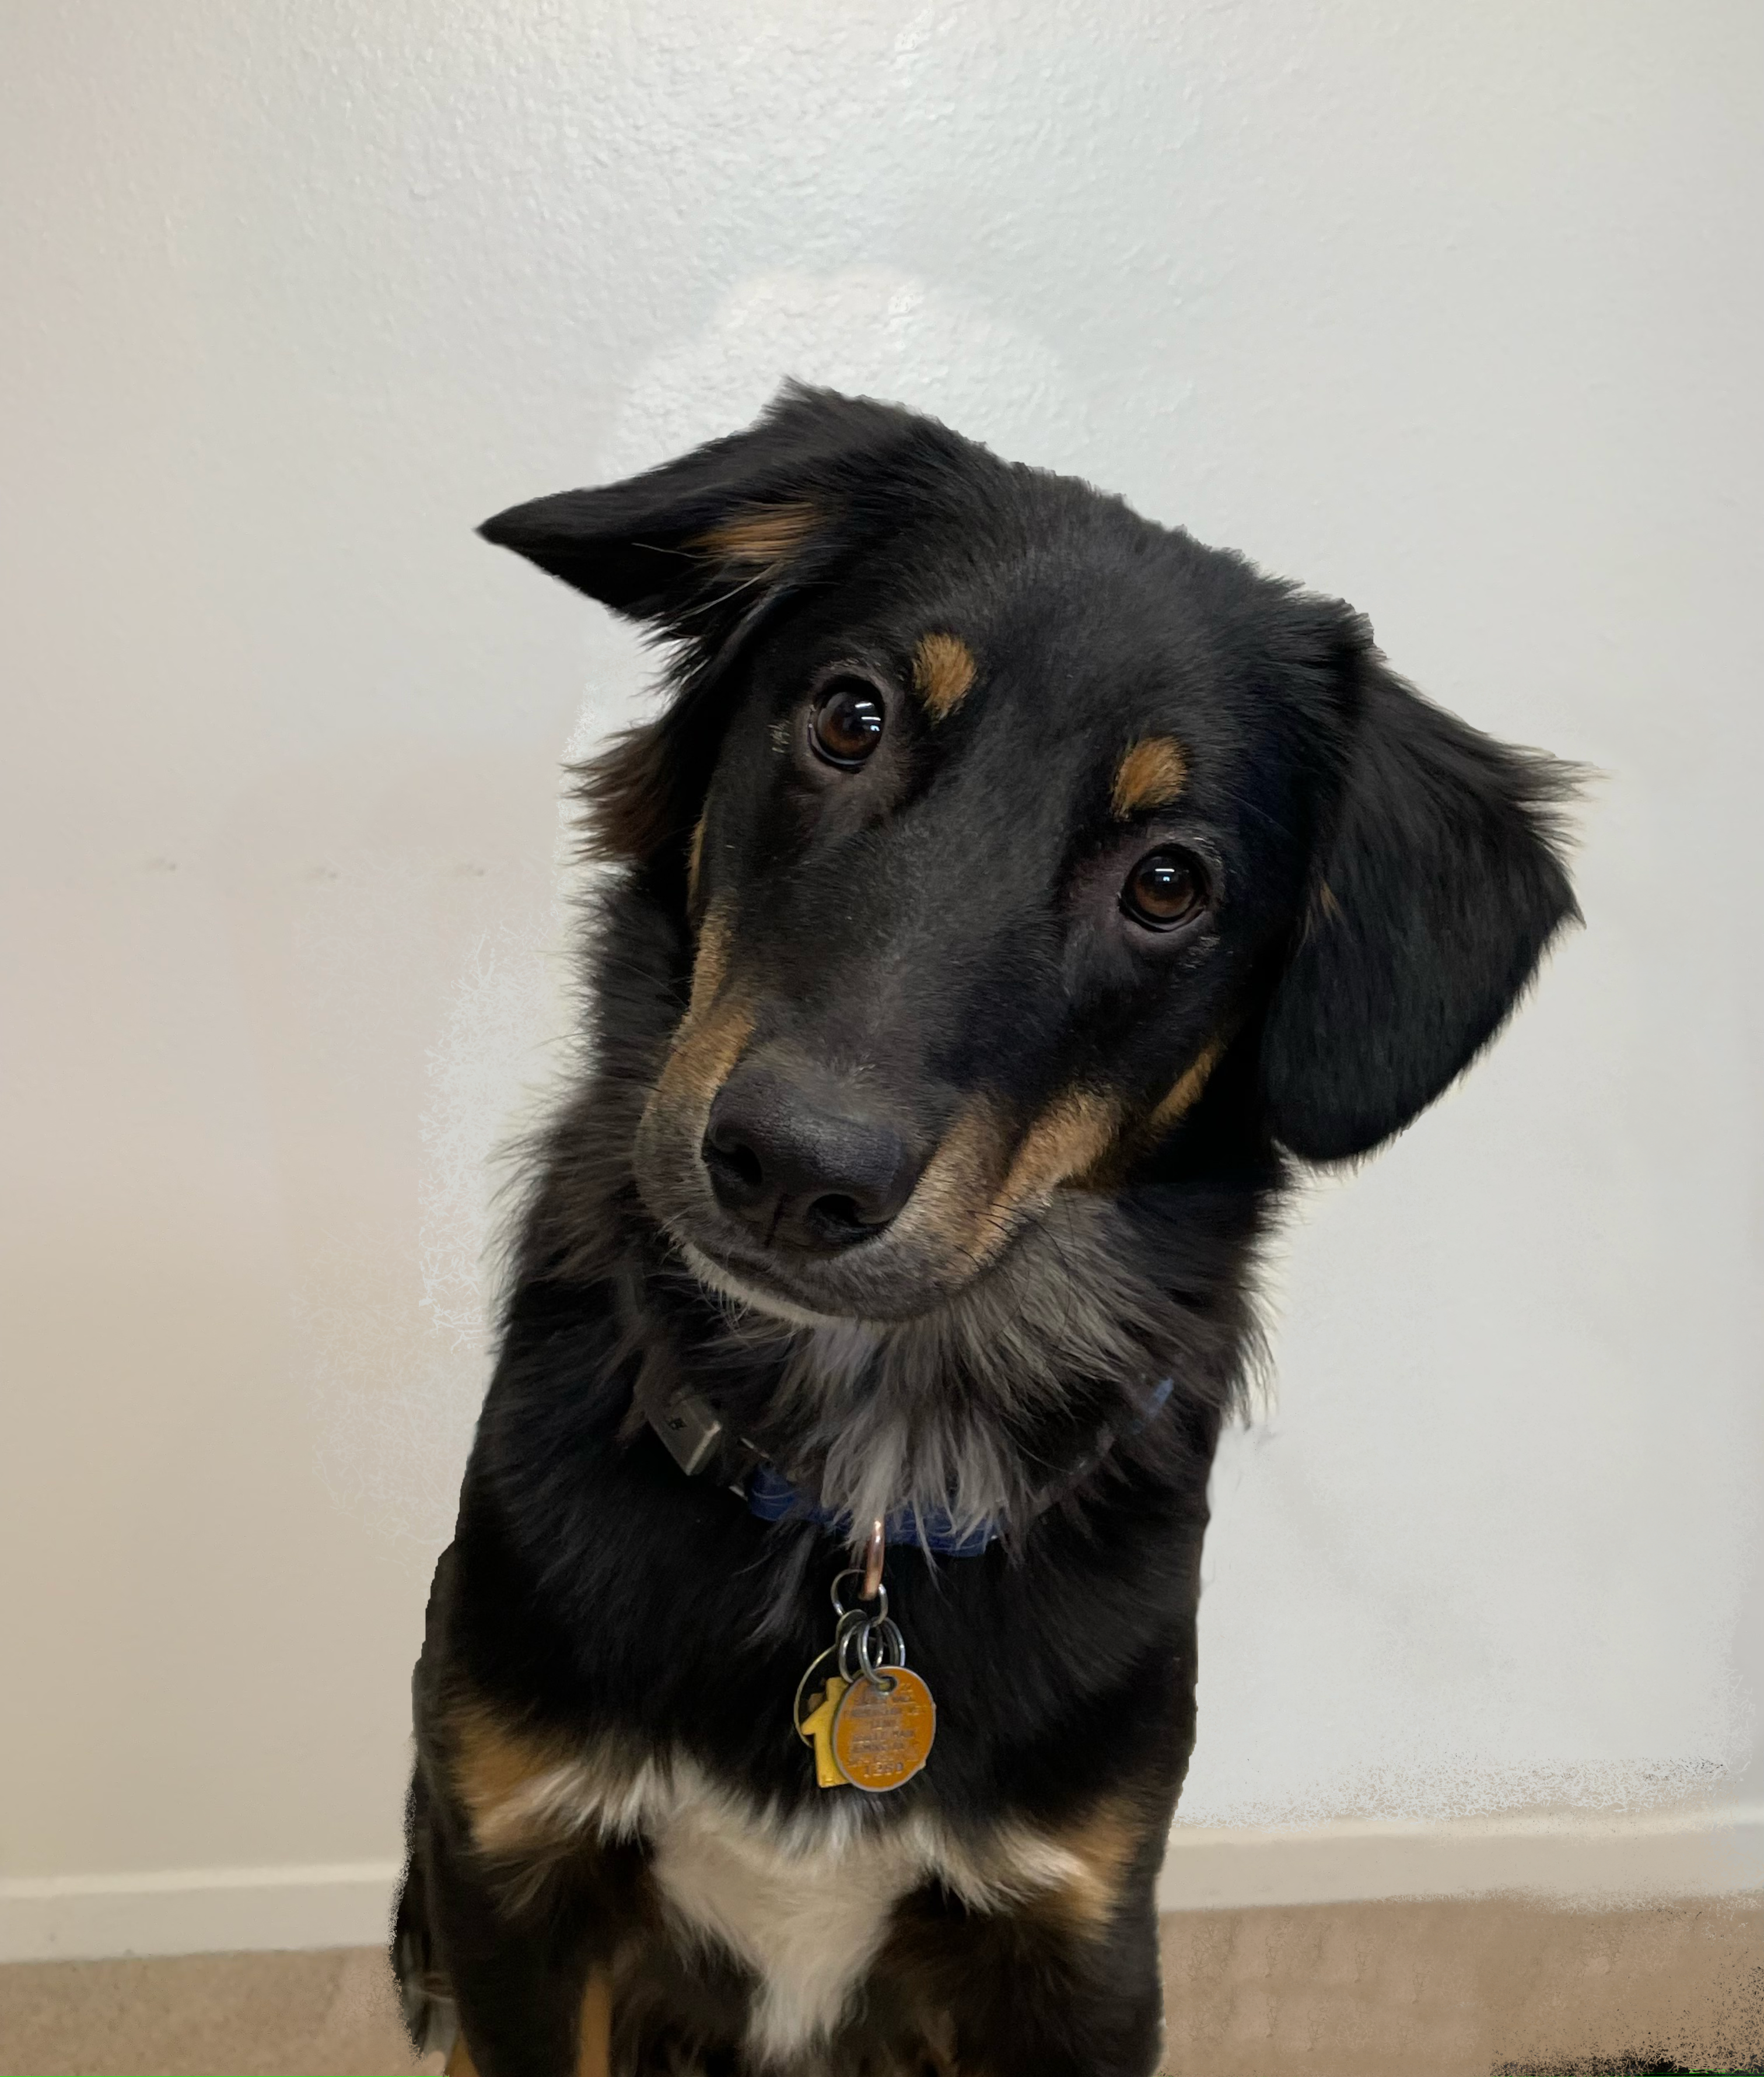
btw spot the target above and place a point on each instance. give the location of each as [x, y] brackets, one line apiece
[1439, 1989]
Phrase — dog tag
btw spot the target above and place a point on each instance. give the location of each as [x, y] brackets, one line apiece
[882, 1734]
[816, 1729]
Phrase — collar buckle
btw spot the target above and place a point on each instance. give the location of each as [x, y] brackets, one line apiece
[691, 1429]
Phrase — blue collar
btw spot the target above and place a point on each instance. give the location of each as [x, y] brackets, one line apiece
[771, 1496]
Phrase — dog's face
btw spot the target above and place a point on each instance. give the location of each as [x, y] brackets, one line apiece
[991, 849]
[999, 818]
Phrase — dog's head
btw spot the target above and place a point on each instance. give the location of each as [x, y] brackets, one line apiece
[1000, 818]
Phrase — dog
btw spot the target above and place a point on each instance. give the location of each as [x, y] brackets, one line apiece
[1009, 894]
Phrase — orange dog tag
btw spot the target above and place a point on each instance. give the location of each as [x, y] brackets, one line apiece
[882, 1735]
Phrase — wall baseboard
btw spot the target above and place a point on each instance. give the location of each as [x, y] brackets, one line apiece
[1585, 1859]
[1588, 1858]
[196, 1911]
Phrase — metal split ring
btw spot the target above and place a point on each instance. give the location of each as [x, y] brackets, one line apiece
[868, 1649]
[839, 1608]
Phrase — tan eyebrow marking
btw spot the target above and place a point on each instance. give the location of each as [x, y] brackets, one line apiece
[943, 668]
[766, 534]
[1151, 775]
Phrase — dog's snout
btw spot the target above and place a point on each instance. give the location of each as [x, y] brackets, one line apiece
[800, 1169]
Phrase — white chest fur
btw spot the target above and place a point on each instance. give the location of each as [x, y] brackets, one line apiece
[804, 1899]
[807, 1914]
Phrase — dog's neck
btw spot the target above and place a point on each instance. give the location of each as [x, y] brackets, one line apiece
[976, 1410]
[973, 1407]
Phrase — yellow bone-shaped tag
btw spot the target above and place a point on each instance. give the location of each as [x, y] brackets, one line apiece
[816, 1729]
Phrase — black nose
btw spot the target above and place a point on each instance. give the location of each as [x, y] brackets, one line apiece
[799, 1171]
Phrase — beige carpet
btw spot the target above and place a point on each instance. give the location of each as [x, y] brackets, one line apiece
[1453, 1989]
[1373, 1990]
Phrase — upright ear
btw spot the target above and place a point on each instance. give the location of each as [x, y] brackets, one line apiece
[1436, 885]
[702, 549]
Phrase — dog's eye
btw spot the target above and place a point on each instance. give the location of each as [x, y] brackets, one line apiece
[1165, 889]
[847, 722]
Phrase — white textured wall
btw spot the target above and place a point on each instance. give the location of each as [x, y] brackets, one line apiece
[1455, 312]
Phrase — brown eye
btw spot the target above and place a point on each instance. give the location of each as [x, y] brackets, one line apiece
[1164, 889]
[847, 722]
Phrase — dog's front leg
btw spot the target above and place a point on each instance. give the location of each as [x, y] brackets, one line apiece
[525, 1952]
[1037, 2002]
[1063, 1985]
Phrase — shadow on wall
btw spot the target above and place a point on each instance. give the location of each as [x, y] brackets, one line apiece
[394, 924]
[422, 916]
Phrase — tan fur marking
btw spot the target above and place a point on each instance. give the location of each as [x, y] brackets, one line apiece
[710, 962]
[594, 2035]
[1188, 1086]
[1103, 1845]
[459, 2062]
[1151, 775]
[1074, 1133]
[768, 535]
[695, 852]
[943, 668]
[492, 1763]
[959, 1203]
[710, 1039]
[1321, 909]
[526, 1794]
[951, 1195]
[701, 1063]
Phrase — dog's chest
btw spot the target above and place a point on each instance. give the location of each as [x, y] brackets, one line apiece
[806, 1906]
[803, 1897]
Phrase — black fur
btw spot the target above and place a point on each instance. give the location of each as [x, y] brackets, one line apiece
[935, 939]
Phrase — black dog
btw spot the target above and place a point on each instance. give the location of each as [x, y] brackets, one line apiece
[1009, 887]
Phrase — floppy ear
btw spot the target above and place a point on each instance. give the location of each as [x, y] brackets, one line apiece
[1436, 886]
[702, 549]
